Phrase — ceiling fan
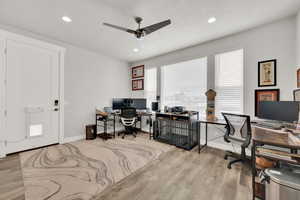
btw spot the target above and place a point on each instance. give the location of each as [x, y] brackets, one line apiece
[141, 32]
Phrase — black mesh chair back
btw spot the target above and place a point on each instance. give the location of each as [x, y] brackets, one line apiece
[128, 119]
[238, 130]
[128, 112]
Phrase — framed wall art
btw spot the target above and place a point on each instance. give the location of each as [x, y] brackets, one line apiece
[297, 95]
[267, 73]
[298, 78]
[138, 72]
[138, 84]
[265, 95]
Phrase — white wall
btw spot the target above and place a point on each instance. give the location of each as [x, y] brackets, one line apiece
[91, 80]
[298, 41]
[271, 41]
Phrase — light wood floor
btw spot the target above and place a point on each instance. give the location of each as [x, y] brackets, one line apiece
[183, 175]
[11, 180]
[177, 175]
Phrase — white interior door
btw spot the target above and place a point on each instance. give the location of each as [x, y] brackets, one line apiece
[2, 95]
[32, 90]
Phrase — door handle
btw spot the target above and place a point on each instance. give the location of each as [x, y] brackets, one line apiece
[56, 104]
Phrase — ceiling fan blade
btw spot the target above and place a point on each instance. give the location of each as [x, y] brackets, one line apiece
[120, 28]
[155, 27]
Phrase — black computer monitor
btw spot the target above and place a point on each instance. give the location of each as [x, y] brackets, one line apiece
[139, 104]
[286, 111]
[119, 103]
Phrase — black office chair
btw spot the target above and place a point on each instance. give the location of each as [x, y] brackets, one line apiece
[128, 119]
[238, 130]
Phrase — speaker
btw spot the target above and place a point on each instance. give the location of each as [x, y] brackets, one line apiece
[154, 106]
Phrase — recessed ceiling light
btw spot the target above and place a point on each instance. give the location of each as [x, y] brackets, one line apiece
[136, 50]
[212, 20]
[66, 19]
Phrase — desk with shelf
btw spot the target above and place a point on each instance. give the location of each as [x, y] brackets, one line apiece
[113, 117]
[218, 122]
[272, 138]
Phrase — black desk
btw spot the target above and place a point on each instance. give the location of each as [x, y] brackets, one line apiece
[106, 119]
[206, 122]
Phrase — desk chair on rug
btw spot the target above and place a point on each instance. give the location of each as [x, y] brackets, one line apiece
[238, 130]
[128, 119]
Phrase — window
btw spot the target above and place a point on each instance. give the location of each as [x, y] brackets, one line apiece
[151, 86]
[229, 82]
[185, 84]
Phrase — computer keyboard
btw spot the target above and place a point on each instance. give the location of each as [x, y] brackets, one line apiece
[270, 125]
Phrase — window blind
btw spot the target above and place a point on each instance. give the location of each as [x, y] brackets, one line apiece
[185, 84]
[229, 82]
[150, 86]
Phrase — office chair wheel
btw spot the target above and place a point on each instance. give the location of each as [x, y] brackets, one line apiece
[123, 137]
[229, 166]
[226, 157]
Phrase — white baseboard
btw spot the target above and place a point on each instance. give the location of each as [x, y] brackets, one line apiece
[2, 155]
[2, 150]
[73, 139]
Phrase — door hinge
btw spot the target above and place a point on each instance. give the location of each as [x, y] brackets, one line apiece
[5, 113]
[5, 51]
[5, 143]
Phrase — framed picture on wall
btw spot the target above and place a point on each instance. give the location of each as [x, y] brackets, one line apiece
[138, 72]
[267, 73]
[265, 95]
[138, 84]
[297, 95]
[298, 78]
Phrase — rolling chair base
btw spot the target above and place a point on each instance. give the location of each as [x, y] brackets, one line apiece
[240, 158]
[129, 132]
[123, 136]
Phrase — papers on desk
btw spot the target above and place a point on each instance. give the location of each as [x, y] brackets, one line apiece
[294, 138]
[276, 154]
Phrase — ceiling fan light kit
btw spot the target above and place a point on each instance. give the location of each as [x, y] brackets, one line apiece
[141, 32]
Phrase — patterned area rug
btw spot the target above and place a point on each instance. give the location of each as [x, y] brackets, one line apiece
[83, 169]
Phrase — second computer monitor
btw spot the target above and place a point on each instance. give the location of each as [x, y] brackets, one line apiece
[286, 111]
[139, 104]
